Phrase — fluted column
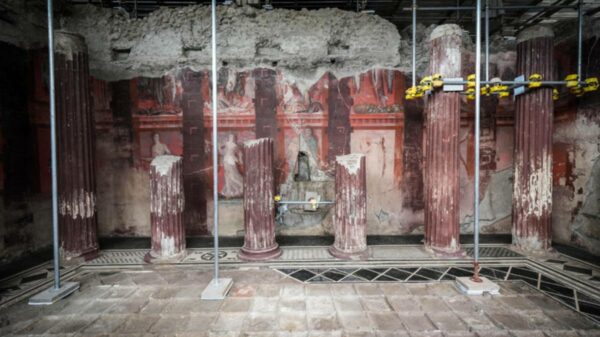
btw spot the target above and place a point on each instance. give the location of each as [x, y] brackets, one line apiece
[166, 209]
[350, 217]
[76, 163]
[259, 206]
[442, 110]
[532, 192]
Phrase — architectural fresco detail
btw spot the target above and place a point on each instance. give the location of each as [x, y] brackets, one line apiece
[310, 125]
[232, 160]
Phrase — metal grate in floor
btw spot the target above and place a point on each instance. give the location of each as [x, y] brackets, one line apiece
[493, 252]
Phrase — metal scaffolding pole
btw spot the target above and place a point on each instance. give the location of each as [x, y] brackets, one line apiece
[218, 288]
[414, 43]
[58, 291]
[487, 40]
[579, 39]
[477, 131]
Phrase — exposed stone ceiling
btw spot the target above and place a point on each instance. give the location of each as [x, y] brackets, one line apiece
[509, 22]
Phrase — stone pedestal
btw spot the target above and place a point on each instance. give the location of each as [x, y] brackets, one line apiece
[350, 218]
[532, 192]
[75, 149]
[166, 209]
[441, 164]
[259, 206]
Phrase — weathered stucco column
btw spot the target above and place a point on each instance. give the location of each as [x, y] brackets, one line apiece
[166, 209]
[532, 192]
[441, 164]
[350, 217]
[259, 206]
[76, 149]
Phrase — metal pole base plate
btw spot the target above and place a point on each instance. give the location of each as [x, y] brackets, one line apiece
[217, 289]
[52, 295]
[470, 287]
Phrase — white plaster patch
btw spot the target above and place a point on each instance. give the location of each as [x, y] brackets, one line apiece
[68, 44]
[350, 161]
[535, 32]
[162, 164]
[81, 205]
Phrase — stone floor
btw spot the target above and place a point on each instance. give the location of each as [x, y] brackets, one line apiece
[164, 301]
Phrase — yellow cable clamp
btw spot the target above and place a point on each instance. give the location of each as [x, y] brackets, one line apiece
[413, 92]
[471, 81]
[572, 81]
[555, 95]
[591, 84]
[437, 81]
[470, 93]
[535, 81]
[277, 198]
[426, 84]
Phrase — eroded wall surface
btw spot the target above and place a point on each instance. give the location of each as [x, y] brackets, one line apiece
[321, 83]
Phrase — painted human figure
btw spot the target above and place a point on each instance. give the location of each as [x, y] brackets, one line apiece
[234, 182]
[158, 148]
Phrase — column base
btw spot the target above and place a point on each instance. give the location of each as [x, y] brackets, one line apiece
[340, 254]
[446, 252]
[260, 255]
[70, 258]
[153, 258]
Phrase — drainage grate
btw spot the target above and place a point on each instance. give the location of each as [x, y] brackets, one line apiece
[122, 257]
[493, 252]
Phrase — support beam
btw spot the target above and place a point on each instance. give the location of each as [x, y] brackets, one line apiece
[532, 193]
[441, 165]
[259, 205]
[76, 165]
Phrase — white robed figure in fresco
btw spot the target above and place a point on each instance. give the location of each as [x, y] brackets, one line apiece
[233, 181]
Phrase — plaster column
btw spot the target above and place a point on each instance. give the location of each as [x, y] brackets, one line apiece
[532, 192]
[441, 164]
[76, 149]
[259, 206]
[350, 217]
[166, 209]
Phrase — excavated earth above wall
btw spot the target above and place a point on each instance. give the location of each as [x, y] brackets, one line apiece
[305, 43]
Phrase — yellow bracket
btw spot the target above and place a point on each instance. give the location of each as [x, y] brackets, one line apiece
[535, 81]
[572, 81]
[555, 95]
[485, 90]
[471, 81]
[591, 84]
[426, 84]
[277, 198]
[413, 92]
[437, 81]
[503, 94]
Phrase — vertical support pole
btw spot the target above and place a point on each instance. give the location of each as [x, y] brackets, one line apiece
[217, 289]
[56, 254]
[477, 132]
[487, 41]
[414, 43]
[579, 40]
[215, 139]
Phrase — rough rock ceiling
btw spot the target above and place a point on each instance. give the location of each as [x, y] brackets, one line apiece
[509, 22]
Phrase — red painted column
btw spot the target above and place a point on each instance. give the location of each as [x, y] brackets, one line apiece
[442, 113]
[350, 217]
[259, 206]
[76, 162]
[532, 192]
[166, 209]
